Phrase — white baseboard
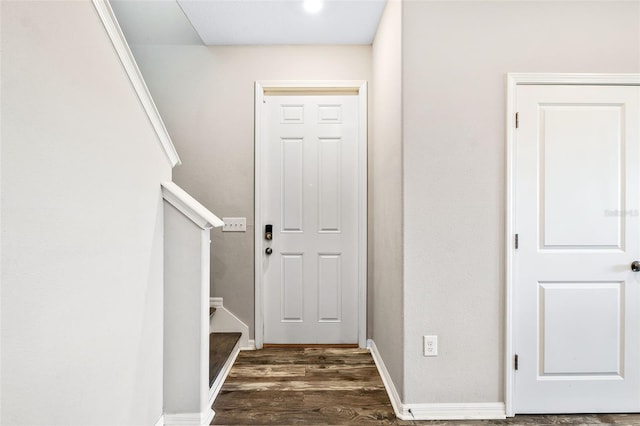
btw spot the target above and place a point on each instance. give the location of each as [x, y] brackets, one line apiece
[396, 402]
[222, 376]
[250, 347]
[224, 321]
[189, 419]
[457, 411]
[446, 411]
[160, 421]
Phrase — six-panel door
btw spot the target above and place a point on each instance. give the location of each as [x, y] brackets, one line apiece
[311, 192]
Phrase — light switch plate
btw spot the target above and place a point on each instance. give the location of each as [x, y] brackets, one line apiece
[234, 224]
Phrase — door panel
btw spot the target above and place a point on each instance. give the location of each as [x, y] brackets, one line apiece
[581, 171]
[291, 184]
[291, 289]
[329, 184]
[311, 188]
[577, 302]
[329, 288]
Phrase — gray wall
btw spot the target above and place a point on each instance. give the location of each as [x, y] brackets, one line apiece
[81, 226]
[385, 193]
[206, 97]
[456, 55]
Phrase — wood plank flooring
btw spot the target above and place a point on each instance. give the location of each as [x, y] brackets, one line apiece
[327, 386]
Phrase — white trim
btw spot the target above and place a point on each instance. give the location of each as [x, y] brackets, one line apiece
[216, 302]
[574, 79]
[356, 85]
[257, 218]
[363, 127]
[513, 80]
[445, 411]
[225, 321]
[394, 397]
[189, 206]
[455, 411]
[214, 390]
[160, 421]
[189, 419]
[509, 232]
[251, 346]
[119, 42]
[361, 87]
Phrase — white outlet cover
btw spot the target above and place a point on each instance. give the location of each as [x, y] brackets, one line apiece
[430, 345]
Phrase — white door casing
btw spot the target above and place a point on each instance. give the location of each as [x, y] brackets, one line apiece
[311, 186]
[573, 304]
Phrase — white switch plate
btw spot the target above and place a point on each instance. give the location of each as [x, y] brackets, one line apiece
[430, 345]
[234, 224]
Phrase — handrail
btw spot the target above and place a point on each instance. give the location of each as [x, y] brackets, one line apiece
[189, 206]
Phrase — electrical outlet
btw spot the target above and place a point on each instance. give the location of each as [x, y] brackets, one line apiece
[430, 345]
[234, 224]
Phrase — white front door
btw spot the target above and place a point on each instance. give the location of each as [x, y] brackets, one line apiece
[576, 299]
[310, 198]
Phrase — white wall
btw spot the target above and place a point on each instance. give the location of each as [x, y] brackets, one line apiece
[385, 193]
[81, 226]
[206, 97]
[455, 57]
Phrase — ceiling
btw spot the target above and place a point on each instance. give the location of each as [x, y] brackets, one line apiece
[247, 22]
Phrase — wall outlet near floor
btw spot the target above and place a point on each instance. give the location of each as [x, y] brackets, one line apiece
[430, 345]
[234, 224]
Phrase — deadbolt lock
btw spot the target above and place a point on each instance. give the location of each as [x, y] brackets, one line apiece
[268, 232]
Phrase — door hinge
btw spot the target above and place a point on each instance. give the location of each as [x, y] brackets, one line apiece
[516, 241]
[515, 362]
[517, 120]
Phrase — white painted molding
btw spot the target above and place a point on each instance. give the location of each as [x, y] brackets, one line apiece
[574, 79]
[447, 411]
[358, 88]
[454, 411]
[119, 42]
[189, 419]
[250, 347]
[257, 216]
[189, 206]
[354, 85]
[225, 321]
[160, 421]
[396, 402]
[216, 302]
[513, 80]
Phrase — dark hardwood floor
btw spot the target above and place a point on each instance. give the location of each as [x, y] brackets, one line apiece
[326, 386]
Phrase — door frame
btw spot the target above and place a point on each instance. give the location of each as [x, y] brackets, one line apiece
[291, 87]
[514, 80]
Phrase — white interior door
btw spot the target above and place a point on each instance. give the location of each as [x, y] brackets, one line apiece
[576, 299]
[310, 197]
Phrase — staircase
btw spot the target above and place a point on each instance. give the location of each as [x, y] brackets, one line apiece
[223, 350]
[221, 347]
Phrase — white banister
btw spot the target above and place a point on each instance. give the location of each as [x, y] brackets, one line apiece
[189, 206]
[187, 227]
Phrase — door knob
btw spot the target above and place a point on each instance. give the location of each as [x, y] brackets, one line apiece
[268, 250]
[635, 266]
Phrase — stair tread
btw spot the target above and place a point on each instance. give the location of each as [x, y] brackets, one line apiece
[221, 346]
